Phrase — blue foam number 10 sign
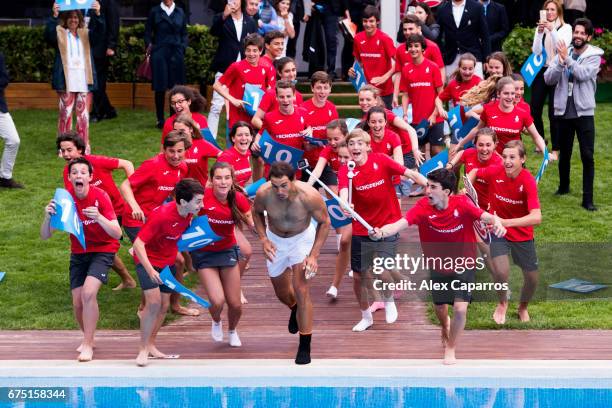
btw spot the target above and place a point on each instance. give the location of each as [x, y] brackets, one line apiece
[66, 217]
[198, 235]
[336, 215]
[252, 96]
[66, 5]
[272, 151]
[532, 66]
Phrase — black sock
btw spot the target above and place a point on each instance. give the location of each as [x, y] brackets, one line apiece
[293, 323]
[303, 353]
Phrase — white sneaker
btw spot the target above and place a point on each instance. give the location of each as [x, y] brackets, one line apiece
[216, 331]
[234, 340]
[332, 292]
[390, 312]
[363, 325]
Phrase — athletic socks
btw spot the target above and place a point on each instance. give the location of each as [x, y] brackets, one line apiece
[303, 353]
[390, 312]
[293, 323]
[216, 331]
[234, 340]
[366, 321]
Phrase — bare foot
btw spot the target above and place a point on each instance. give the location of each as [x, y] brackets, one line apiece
[86, 353]
[143, 358]
[80, 348]
[523, 314]
[247, 266]
[445, 331]
[243, 299]
[131, 284]
[500, 313]
[449, 356]
[186, 311]
[154, 352]
[139, 313]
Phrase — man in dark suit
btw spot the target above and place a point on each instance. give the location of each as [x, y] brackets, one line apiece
[463, 28]
[231, 27]
[102, 52]
[497, 21]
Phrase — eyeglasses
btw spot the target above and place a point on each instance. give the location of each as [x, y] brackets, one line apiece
[179, 102]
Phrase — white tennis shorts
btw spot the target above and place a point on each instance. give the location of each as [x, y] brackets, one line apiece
[290, 251]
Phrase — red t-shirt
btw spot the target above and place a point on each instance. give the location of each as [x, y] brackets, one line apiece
[317, 118]
[286, 129]
[420, 82]
[470, 159]
[447, 233]
[332, 158]
[152, 183]
[269, 65]
[220, 219]
[403, 135]
[373, 192]
[197, 157]
[507, 125]
[161, 233]
[524, 106]
[269, 102]
[455, 90]
[237, 75]
[387, 144]
[375, 54]
[197, 117]
[96, 239]
[511, 198]
[102, 177]
[432, 53]
[240, 162]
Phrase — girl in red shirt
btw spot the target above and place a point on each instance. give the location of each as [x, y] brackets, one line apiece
[185, 101]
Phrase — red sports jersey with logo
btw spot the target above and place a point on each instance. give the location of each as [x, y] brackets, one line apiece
[373, 192]
[269, 102]
[332, 158]
[286, 129]
[96, 239]
[240, 162]
[220, 219]
[375, 54]
[447, 233]
[197, 157]
[197, 117]
[432, 53]
[420, 82]
[387, 144]
[269, 65]
[317, 118]
[507, 125]
[511, 198]
[470, 159]
[524, 106]
[161, 234]
[403, 135]
[152, 183]
[102, 177]
[236, 77]
[455, 90]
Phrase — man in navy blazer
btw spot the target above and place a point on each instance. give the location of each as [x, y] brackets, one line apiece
[230, 48]
[497, 21]
[463, 28]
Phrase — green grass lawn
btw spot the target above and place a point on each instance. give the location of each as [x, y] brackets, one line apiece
[35, 293]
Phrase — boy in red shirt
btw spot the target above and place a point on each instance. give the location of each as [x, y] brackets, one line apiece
[275, 45]
[446, 232]
[375, 51]
[154, 249]
[88, 267]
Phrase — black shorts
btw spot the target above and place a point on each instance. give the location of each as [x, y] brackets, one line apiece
[523, 252]
[215, 259]
[328, 177]
[94, 264]
[131, 232]
[409, 161]
[364, 250]
[145, 281]
[446, 295]
[435, 135]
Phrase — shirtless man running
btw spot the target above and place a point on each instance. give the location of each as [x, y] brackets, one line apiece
[291, 244]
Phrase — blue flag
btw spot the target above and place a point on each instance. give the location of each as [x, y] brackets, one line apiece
[465, 130]
[578, 285]
[2, 276]
[542, 166]
[315, 141]
[66, 217]
[437, 162]
[207, 135]
[251, 189]
[336, 215]
[272, 151]
[198, 235]
[171, 282]
[65, 5]
[252, 96]
[454, 120]
[351, 123]
[532, 66]
[422, 128]
[359, 80]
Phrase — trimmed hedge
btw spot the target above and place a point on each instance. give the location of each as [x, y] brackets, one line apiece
[30, 59]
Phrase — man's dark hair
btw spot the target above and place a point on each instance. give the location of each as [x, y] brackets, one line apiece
[586, 23]
[280, 169]
[254, 39]
[80, 160]
[272, 35]
[371, 11]
[416, 38]
[186, 189]
[73, 137]
[445, 177]
[412, 19]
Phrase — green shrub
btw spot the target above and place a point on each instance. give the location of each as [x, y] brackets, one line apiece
[30, 59]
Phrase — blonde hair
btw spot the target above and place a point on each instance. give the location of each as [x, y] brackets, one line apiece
[359, 134]
[559, 9]
[481, 93]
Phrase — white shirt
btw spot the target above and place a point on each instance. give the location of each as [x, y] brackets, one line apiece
[76, 81]
[168, 10]
[280, 22]
[458, 12]
[238, 27]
